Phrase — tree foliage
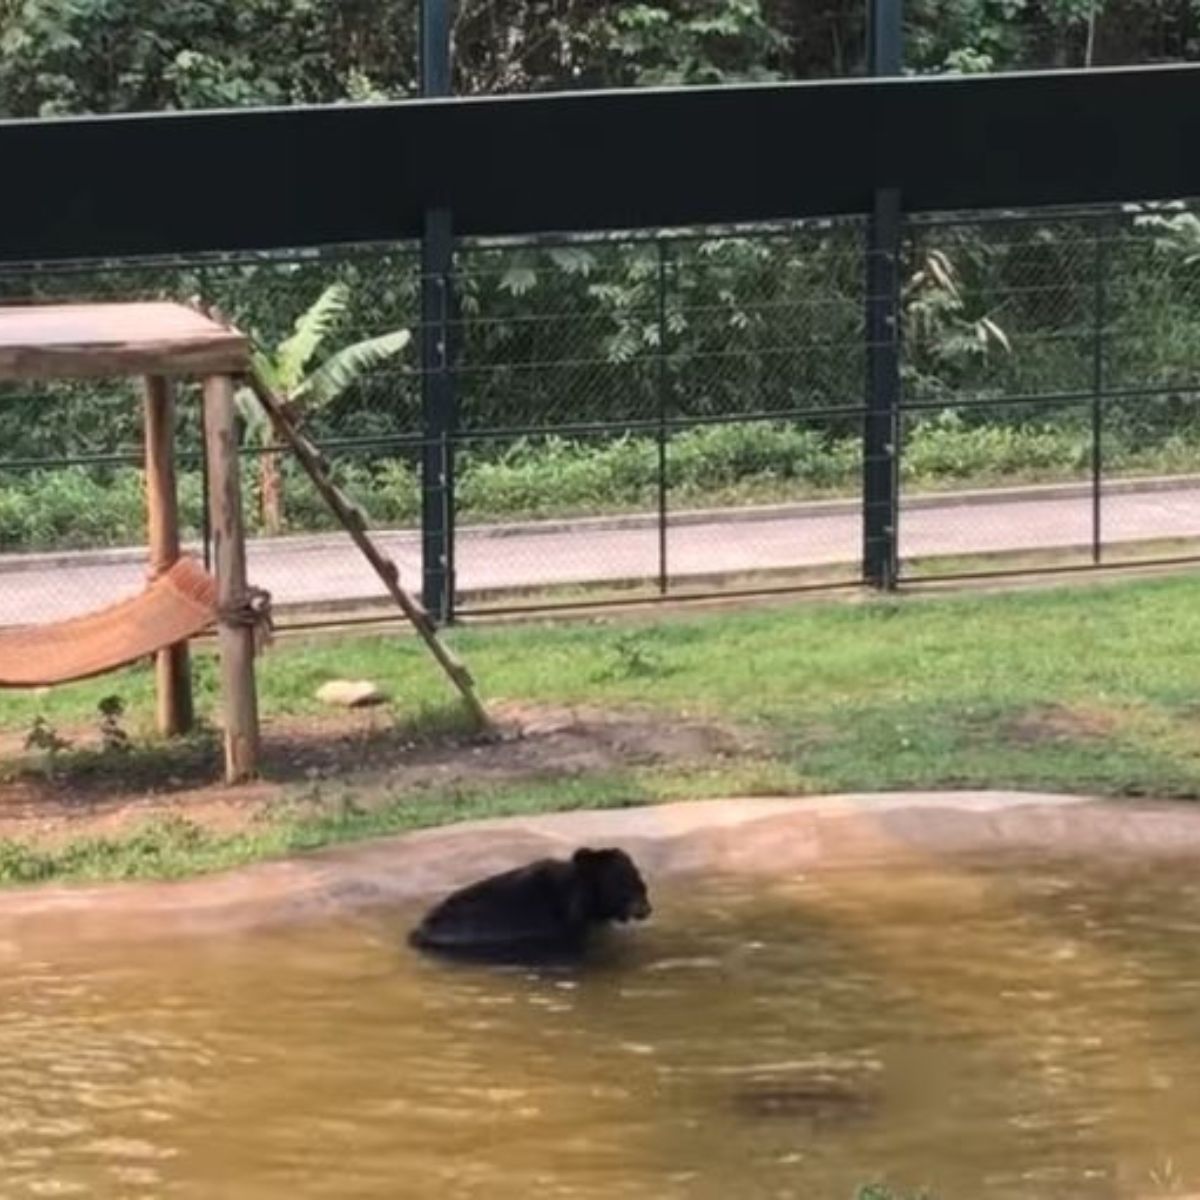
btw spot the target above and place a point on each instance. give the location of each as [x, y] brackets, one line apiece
[71, 56]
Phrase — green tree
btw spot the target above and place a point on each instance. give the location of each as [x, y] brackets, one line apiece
[716, 41]
[78, 56]
[83, 56]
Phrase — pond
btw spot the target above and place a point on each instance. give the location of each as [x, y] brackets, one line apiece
[980, 1032]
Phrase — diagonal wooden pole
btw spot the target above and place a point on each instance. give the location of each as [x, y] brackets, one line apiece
[350, 515]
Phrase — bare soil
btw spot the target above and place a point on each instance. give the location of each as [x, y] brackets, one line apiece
[1056, 723]
[364, 751]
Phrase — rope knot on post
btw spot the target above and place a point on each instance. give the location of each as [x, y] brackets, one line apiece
[253, 611]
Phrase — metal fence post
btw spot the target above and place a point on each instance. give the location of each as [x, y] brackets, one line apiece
[439, 416]
[664, 410]
[435, 64]
[881, 425]
[885, 37]
[439, 401]
[206, 539]
[1099, 306]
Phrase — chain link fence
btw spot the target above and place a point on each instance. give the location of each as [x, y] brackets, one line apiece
[1050, 392]
[637, 417]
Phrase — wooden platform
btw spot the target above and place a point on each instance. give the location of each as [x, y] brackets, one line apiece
[86, 341]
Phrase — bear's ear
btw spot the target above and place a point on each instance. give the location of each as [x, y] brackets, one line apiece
[583, 856]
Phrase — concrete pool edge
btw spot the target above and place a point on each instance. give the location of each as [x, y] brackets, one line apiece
[749, 836]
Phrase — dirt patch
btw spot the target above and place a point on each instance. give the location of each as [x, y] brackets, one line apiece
[365, 752]
[1054, 723]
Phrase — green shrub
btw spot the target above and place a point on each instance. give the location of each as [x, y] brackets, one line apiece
[729, 454]
[945, 448]
[77, 507]
[73, 507]
[555, 475]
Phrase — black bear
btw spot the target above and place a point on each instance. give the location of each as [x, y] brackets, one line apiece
[540, 910]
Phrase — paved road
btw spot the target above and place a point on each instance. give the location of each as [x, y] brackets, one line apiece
[300, 571]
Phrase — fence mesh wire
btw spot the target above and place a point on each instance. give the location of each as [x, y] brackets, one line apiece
[1051, 365]
[653, 414]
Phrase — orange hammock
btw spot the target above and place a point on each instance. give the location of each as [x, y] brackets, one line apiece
[175, 607]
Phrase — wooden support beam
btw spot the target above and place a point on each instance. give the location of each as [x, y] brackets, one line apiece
[174, 712]
[235, 631]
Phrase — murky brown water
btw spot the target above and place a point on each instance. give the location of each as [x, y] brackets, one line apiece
[1032, 1034]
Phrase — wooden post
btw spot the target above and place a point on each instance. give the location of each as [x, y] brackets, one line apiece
[173, 681]
[235, 636]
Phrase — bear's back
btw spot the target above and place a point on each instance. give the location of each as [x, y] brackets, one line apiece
[528, 905]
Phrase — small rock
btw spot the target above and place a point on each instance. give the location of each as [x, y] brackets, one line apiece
[351, 693]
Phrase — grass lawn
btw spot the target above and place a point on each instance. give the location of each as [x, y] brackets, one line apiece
[1092, 688]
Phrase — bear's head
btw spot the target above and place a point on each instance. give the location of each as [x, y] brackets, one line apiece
[612, 887]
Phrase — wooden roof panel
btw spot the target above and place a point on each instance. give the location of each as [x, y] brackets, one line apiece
[82, 341]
